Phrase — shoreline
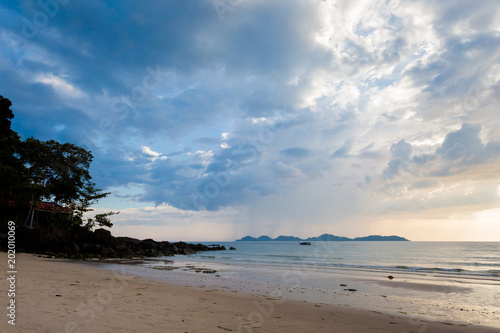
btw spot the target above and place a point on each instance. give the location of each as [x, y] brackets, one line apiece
[67, 296]
[427, 298]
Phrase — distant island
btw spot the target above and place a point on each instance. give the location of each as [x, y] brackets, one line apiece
[324, 237]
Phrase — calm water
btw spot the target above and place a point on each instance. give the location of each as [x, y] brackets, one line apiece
[474, 259]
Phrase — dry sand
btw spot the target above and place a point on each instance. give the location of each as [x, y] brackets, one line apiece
[54, 295]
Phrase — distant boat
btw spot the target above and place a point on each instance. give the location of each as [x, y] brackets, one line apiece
[305, 243]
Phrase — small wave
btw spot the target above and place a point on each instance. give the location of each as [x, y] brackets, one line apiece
[297, 261]
[479, 264]
[495, 273]
[429, 269]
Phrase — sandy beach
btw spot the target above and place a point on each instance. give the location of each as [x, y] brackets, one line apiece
[54, 295]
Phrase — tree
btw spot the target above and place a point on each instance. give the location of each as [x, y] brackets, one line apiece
[32, 171]
[88, 196]
[55, 171]
[11, 167]
[5, 117]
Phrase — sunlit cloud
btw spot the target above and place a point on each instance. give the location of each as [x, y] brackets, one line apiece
[60, 85]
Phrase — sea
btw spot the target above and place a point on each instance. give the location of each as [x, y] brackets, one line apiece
[465, 259]
[449, 282]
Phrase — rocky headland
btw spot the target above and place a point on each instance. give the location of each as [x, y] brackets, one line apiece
[80, 243]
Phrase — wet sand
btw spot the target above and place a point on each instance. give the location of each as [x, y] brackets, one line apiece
[462, 300]
[54, 295]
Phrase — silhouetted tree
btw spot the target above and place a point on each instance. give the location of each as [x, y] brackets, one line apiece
[54, 171]
[32, 171]
[87, 197]
[11, 168]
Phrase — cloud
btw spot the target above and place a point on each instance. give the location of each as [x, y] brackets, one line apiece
[464, 144]
[284, 172]
[459, 173]
[277, 104]
[153, 154]
[341, 152]
[296, 152]
[60, 84]
[401, 153]
[459, 151]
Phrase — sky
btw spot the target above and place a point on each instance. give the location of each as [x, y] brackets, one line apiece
[216, 119]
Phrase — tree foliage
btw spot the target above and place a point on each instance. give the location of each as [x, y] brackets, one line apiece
[88, 196]
[33, 171]
[55, 171]
[10, 166]
[5, 116]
